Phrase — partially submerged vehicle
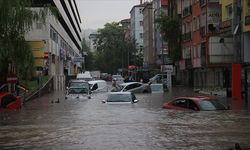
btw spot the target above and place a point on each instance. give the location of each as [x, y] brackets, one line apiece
[9, 102]
[120, 98]
[98, 86]
[78, 93]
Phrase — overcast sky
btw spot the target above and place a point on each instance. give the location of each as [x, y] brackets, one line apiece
[95, 13]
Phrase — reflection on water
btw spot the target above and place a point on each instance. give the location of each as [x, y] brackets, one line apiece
[89, 124]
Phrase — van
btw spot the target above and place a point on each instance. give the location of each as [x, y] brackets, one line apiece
[98, 86]
[84, 76]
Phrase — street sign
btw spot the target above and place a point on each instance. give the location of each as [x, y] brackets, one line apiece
[78, 59]
[12, 79]
[167, 68]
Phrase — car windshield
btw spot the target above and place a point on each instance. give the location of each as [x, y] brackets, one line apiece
[119, 98]
[208, 105]
[78, 90]
[79, 84]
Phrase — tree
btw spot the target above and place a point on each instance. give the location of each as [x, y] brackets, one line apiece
[112, 48]
[171, 29]
[16, 19]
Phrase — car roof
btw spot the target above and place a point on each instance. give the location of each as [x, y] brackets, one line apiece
[77, 80]
[96, 81]
[118, 93]
[195, 98]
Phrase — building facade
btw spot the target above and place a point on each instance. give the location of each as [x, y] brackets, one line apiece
[136, 18]
[148, 38]
[59, 40]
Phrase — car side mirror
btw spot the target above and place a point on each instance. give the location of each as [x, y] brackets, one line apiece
[103, 101]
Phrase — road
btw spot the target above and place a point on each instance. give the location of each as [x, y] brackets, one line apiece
[92, 125]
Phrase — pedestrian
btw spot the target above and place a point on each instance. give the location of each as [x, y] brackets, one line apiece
[114, 82]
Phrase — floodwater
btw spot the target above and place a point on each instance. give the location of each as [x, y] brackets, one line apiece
[92, 125]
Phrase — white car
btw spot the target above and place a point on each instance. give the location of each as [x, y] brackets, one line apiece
[120, 98]
[135, 87]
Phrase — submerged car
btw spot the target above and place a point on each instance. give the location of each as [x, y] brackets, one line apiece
[78, 93]
[120, 98]
[9, 102]
[135, 87]
[98, 86]
[196, 103]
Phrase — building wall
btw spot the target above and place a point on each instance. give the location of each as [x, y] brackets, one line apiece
[60, 37]
[136, 25]
[148, 35]
[225, 3]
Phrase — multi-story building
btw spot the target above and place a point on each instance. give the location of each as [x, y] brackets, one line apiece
[136, 18]
[206, 58]
[92, 39]
[59, 39]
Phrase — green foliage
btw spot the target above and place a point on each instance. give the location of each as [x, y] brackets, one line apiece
[113, 50]
[171, 30]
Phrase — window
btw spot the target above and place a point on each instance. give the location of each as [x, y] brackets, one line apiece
[140, 10]
[141, 35]
[194, 24]
[198, 22]
[229, 11]
[141, 23]
[39, 25]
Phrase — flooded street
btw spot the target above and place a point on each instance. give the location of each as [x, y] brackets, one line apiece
[92, 125]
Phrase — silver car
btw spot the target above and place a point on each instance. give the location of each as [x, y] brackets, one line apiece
[135, 87]
[78, 92]
[120, 98]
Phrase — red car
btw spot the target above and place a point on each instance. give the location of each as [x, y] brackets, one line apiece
[9, 102]
[196, 103]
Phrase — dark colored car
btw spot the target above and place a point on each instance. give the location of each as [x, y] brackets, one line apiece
[197, 103]
[9, 102]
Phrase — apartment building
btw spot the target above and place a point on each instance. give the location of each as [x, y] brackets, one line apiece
[57, 43]
[136, 27]
[205, 58]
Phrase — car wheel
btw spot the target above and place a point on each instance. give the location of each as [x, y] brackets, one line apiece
[145, 91]
[89, 97]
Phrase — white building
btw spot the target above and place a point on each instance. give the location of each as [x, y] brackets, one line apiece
[136, 17]
[59, 38]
